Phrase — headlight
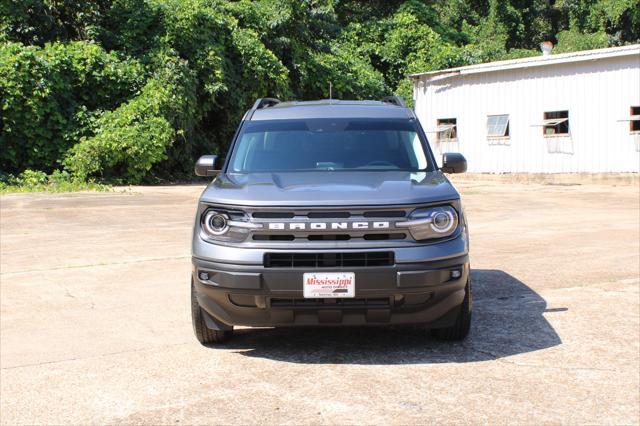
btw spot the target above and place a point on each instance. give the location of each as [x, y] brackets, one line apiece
[434, 222]
[217, 225]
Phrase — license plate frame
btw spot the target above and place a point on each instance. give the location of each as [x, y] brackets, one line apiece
[329, 285]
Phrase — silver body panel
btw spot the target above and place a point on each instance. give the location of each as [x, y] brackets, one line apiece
[329, 189]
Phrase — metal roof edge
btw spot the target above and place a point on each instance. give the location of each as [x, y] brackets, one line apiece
[532, 61]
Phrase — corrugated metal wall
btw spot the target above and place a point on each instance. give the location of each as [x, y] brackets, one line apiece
[597, 94]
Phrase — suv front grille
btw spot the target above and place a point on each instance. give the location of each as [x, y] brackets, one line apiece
[330, 237]
[349, 227]
[328, 214]
[328, 260]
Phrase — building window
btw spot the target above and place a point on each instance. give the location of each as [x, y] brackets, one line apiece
[447, 130]
[634, 122]
[498, 126]
[555, 123]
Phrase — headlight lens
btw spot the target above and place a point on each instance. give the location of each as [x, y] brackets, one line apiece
[443, 221]
[433, 222]
[215, 223]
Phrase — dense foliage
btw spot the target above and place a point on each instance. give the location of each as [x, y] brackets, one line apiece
[135, 90]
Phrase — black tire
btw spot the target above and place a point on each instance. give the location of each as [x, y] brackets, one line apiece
[204, 334]
[460, 329]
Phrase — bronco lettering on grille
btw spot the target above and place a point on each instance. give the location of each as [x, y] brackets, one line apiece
[318, 226]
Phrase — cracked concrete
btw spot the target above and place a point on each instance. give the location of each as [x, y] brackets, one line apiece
[95, 325]
[96, 264]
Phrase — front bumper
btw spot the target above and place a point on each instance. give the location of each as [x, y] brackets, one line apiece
[423, 292]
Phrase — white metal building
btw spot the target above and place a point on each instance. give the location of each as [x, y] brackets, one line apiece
[564, 113]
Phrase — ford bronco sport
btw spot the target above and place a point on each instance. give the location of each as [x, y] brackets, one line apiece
[330, 213]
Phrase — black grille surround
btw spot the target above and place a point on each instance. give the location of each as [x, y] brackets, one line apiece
[329, 260]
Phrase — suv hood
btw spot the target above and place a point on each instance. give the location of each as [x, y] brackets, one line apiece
[326, 188]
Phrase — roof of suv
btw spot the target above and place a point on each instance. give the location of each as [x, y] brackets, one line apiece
[331, 109]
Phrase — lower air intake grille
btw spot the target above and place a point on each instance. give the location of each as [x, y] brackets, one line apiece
[382, 302]
[328, 260]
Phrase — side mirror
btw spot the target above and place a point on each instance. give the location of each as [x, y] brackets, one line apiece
[207, 165]
[453, 162]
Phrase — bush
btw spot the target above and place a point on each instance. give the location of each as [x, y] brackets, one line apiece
[570, 41]
[351, 77]
[49, 97]
[131, 139]
[36, 181]
[32, 178]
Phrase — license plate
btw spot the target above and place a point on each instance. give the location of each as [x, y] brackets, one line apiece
[329, 284]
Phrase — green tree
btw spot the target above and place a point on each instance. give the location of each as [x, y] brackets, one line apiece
[40, 21]
[129, 140]
[51, 96]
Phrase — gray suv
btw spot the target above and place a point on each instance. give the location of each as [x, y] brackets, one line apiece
[330, 213]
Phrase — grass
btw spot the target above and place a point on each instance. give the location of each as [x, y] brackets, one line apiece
[65, 187]
[36, 181]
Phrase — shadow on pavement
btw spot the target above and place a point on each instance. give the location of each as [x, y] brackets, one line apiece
[507, 320]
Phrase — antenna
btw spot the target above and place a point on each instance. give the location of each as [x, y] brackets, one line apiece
[330, 90]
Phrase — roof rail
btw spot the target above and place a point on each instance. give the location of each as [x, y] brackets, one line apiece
[395, 100]
[265, 102]
[262, 103]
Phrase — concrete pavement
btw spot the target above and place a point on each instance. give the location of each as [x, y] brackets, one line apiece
[95, 324]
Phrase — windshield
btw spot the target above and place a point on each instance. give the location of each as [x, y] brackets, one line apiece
[328, 144]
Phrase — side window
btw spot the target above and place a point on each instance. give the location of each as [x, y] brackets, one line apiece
[555, 123]
[498, 126]
[634, 122]
[447, 130]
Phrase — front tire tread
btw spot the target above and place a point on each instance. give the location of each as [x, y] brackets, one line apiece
[204, 334]
[461, 328]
